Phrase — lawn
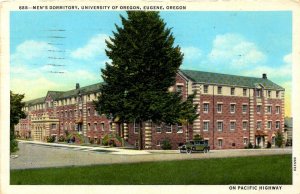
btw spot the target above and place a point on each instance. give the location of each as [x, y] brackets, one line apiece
[276, 169]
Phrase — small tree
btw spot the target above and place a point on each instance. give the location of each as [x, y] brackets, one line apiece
[279, 139]
[198, 137]
[16, 114]
[166, 145]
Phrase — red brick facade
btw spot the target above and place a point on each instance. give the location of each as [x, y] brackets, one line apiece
[222, 127]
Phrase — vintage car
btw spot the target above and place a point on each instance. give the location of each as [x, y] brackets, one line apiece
[195, 146]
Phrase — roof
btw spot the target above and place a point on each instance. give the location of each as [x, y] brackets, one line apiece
[35, 101]
[231, 80]
[56, 95]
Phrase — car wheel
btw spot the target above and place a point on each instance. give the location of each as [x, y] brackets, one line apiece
[188, 151]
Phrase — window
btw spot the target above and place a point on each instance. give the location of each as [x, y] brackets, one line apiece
[158, 143]
[258, 93]
[102, 126]
[269, 94]
[80, 112]
[220, 142]
[277, 109]
[277, 124]
[95, 113]
[53, 126]
[89, 112]
[258, 125]
[245, 125]
[244, 92]
[232, 125]
[244, 108]
[269, 124]
[273, 140]
[75, 113]
[88, 126]
[219, 90]
[205, 107]
[136, 127]
[66, 113]
[158, 128]
[95, 126]
[269, 109]
[88, 97]
[71, 113]
[245, 141]
[277, 94]
[179, 128]
[205, 126]
[205, 89]
[220, 125]
[168, 128]
[179, 89]
[232, 91]
[258, 108]
[232, 108]
[219, 108]
[110, 126]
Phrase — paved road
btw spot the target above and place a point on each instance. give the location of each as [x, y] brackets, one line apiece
[54, 155]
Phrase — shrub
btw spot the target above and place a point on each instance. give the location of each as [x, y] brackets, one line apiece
[269, 145]
[112, 143]
[166, 145]
[13, 146]
[91, 141]
[51, 139]
[198, 137]
[61, 139]
[250, 145]
[279, 139]
[105, 140]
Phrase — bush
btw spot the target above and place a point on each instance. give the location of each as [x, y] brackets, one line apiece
[61, 139]
[112, 143]
[166, 145]
[91, 141]
[279, 139]
[256, 147]
[198, 137]
[105, 140]
[51, 139]
[269, 145]
[13, 146]
[250, 145]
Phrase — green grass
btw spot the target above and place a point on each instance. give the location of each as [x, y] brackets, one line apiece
[275, 169]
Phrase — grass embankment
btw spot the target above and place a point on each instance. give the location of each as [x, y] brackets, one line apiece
[275, 169]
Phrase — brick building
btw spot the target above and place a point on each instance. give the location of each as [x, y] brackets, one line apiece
[233, 112]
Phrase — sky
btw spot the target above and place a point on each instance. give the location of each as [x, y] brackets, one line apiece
[56, 50]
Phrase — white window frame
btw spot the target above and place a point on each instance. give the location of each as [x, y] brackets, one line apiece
[269, 109]
[232, 91]
[88, 112]
[158, 127]
[102, 126]
[232, 105]
[269, 125]
[179, 126]
[269, 93]
[220, 143]
[244, 110]
[277, 94]
[277, 126]
[219, 90]
[234, 125]
[278, 109]
[245, 128]
[205, 89]
[258, 128]
[220, 128]
[168, 127]
[88, 126]
[244, 91]
[245, 142]
[205, 109]
[221, 105]
[258, 112]
[204, 125]
[95, 126]
[136, 128]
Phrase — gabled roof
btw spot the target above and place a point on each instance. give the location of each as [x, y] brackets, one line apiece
[230, 80]
[57, 95]
[35, 101]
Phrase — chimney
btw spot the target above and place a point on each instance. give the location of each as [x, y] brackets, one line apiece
[77, 86]
[264, 76]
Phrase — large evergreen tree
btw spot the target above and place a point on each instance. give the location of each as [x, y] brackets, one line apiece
[16, 114]
[144, 66]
